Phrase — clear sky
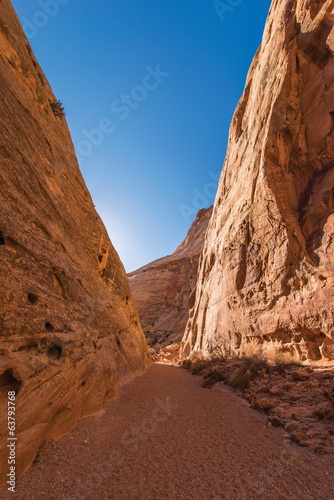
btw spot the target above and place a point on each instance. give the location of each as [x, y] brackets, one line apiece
[149, 88]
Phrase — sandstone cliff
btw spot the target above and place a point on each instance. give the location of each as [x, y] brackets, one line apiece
[69, 330]
[162, 288]
[266, 275]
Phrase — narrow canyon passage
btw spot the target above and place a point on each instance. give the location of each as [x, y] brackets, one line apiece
[165, 437]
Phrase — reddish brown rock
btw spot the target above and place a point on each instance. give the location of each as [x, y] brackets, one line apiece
[266, 277]
[162, 288]
[69, 330]
[304, 411]
[263, 403]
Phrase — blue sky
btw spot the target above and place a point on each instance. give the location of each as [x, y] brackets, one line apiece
[149, 89]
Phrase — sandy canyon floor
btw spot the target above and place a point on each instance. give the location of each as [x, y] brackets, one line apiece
[166, 437]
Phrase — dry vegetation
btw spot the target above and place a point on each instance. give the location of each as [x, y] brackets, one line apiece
[297, 398]
[57, 108]
[236, 372]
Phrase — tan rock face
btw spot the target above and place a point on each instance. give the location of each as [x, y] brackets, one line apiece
[162, 288]
[266, 274]
[69, 329]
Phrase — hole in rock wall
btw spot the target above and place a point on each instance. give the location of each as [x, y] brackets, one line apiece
[9, 383]
[2, 238]
[32, 298]
[55, 352]
[49, 327]
[331, 113]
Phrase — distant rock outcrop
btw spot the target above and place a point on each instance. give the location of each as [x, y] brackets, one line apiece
[162, 288]
[69, 330]
[266, 278]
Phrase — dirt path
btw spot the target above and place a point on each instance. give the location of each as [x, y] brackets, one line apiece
[165, 437]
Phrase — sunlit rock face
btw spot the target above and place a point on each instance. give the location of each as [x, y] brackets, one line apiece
[162, 288]
[69, 330]
[266, 274]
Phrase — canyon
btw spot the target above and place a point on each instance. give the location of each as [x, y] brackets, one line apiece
[252, 281]
[69, 329]
[162, 288]
[266, 281]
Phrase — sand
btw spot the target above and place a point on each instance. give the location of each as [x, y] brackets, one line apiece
[166, 437]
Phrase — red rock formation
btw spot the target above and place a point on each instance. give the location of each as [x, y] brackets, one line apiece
[266, 274]
[69, 330]
[162, 288]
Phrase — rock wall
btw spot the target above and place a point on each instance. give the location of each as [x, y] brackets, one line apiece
[266, 275]
[69, 330]
[162, 288]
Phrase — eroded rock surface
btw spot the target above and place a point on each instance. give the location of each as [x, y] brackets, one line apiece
[266, 275]
[69, 330]
[162, 288]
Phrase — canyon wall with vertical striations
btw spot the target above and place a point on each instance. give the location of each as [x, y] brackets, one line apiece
[162, 289]
[266, 277]
[69, 329]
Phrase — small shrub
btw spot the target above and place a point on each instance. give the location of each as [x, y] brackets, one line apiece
[254, 364]
[252, 348]
[221, 349]
[198, 365]
[241, 381]
[186, 364]
[279, 355]
[57, 108]
[285, 359]
[213, 373]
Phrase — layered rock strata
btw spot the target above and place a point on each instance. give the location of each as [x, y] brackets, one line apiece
[266, 277]
[162, 288]
[69, 329]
